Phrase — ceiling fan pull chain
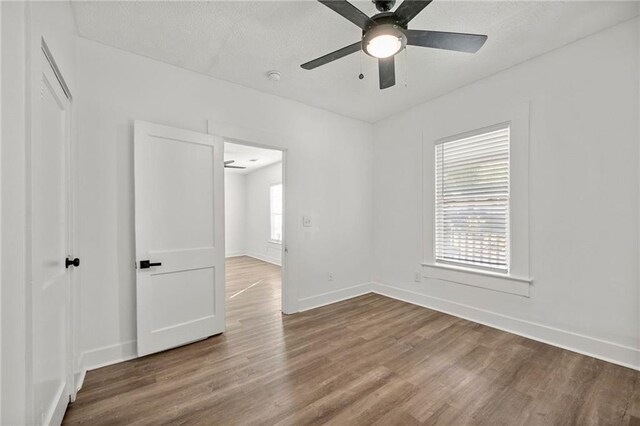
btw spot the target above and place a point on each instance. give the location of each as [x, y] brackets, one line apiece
[406, 69]
[361, 75]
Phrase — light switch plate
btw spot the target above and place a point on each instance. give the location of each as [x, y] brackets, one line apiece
[307, 222]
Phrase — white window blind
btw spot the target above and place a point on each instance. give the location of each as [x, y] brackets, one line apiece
[275, 197]
[472, 200]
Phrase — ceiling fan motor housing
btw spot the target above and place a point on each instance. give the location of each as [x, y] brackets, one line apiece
[384, 5]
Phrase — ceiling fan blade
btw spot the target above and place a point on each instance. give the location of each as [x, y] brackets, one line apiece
[233, 167]
[340, 53]
[460, 42]
[410, 8]
[349, 11]
[387, 70]
[229, 162]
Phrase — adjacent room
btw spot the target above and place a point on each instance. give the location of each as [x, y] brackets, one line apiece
[346, 212]
[253, 212]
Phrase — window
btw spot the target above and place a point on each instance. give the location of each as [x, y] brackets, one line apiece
[275, 197]
[472, 200]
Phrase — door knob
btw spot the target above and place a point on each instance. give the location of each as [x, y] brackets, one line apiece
[144, 264]
[71, 262]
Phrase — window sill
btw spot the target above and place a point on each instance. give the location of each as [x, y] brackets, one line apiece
[477, 278]
[275, 242]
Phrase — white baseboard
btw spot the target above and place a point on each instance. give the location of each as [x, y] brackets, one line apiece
[79, 373]
[268, 259]
[79, 381]
[234, 254]
[575, 342]
[107, 355]
[333, 297]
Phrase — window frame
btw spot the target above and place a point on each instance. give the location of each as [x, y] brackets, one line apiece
[461, 264]
[467, 120]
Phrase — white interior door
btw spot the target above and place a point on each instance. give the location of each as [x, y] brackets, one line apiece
[179, 203]
[50, 245]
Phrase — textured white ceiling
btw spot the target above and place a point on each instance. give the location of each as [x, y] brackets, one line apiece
[239, 41]
[243, 154]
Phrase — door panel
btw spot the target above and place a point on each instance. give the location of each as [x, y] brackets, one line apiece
[181, 194]
[195, 290]
[50, 223]
[179, 227]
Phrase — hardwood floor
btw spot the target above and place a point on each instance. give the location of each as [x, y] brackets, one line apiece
[368, 360]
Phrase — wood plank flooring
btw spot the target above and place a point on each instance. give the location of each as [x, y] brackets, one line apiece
[365, 361]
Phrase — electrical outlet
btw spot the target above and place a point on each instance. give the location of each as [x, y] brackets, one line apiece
[307, 222]
[417, 277]
[330, 276]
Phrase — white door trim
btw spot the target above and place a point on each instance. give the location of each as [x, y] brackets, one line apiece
[259, 139]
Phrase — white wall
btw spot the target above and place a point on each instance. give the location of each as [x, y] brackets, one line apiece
[258, 214]
[235, 196]
[584, 191]
[23, 25]
[13, 210]
[116, 88]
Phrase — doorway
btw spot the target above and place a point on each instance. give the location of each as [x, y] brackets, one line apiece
[254, 231]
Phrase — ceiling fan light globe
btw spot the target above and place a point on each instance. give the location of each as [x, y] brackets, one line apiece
[384, 45]
[384, 40]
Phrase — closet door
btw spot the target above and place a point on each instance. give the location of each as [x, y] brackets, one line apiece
[50, 248]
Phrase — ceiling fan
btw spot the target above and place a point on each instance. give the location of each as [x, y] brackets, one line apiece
[386, 34]
[227, 165]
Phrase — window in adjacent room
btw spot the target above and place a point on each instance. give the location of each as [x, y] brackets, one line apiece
[472, 200]
[275, 197]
